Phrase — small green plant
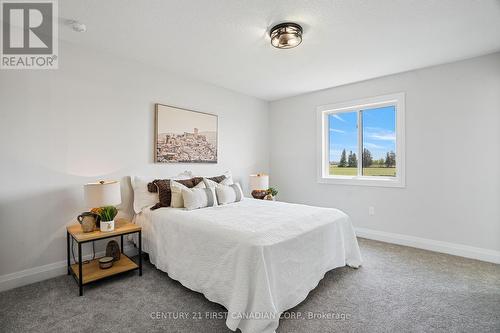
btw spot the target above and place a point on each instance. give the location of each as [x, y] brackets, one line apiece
[107, 213]
[272, 191]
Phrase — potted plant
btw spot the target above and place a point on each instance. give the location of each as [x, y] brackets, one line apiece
[271, 193]
[107, 215]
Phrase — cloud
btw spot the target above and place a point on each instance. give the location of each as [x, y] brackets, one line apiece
[381, 135]
[336, 130]
[372, 146]
[335, 151]
[336, 116]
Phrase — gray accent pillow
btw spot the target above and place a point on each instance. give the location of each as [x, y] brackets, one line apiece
[195, 198]
[229, 193]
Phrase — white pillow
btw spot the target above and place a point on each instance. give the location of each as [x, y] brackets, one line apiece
[176, 188]
[195, 198]
[211, 184]
[228, 194]
[142, 197]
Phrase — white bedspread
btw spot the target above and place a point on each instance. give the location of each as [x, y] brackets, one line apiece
[257, 258]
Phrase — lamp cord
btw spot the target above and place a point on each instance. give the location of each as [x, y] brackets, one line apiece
[86, 261]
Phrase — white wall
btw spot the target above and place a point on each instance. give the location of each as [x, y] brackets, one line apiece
[93, 118]
[452, 155]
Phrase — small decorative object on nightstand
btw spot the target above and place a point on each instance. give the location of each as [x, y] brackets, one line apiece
[107, 214]
[89, 221]
[106, 262]
[271, 194]
[259, 184]
[113, 250]
[102, 197]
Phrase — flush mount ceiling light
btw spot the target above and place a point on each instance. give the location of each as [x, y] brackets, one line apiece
[286, 35]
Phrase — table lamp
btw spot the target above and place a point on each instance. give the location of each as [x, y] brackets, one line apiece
[102, 197]
[259, 183]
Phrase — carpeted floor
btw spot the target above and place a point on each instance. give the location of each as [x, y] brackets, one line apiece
[398, 289]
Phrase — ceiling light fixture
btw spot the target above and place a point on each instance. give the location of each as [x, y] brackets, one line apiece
[286, 35]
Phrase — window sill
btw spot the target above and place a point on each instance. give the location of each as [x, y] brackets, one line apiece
[363, 181]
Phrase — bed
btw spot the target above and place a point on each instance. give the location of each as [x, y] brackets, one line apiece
[257, 258]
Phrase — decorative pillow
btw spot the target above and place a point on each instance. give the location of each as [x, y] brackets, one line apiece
[225, 176]
[182, 176]
[228, 194]
[199, 197]
[144, 198]
[164, 191]
[176, 188]
[212, 184]
[216, 179]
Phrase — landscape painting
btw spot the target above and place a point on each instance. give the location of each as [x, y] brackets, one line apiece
[184, 136]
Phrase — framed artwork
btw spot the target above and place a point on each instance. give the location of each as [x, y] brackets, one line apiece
[184, 136]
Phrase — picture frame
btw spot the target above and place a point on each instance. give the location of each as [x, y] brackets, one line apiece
[184, 136]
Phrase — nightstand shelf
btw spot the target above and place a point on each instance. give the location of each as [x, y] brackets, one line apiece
[90, 271]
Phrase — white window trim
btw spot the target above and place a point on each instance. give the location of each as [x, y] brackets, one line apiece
[397, 99]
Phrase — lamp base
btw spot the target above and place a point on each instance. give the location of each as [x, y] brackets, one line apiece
[259, 194]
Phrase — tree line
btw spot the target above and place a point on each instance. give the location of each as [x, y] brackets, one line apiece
[351, 160]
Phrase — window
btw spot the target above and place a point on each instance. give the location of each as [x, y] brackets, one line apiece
[362, 142]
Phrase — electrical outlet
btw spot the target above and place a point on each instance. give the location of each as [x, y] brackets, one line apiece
[371, 210]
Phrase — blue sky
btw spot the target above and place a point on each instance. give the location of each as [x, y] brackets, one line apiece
[379, 132]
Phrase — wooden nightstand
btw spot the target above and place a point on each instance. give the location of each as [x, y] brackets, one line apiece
[91, 272]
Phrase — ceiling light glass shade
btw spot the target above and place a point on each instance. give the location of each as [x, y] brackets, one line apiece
[286, 35]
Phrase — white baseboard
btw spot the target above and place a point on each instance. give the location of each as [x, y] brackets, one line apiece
[431, 245]
[40, 273]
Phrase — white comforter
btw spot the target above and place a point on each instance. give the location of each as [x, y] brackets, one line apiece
[257, 258]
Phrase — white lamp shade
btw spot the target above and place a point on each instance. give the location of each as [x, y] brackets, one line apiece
[102, 194]
[259, 182]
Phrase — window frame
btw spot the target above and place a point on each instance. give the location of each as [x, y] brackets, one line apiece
[323, 111]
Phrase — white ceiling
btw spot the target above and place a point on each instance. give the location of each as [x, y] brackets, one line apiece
[225, 42]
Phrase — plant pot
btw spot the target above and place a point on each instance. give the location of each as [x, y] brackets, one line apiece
[107, 225]
[269, 197]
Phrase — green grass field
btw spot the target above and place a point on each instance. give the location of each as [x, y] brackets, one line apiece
[371, 171]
